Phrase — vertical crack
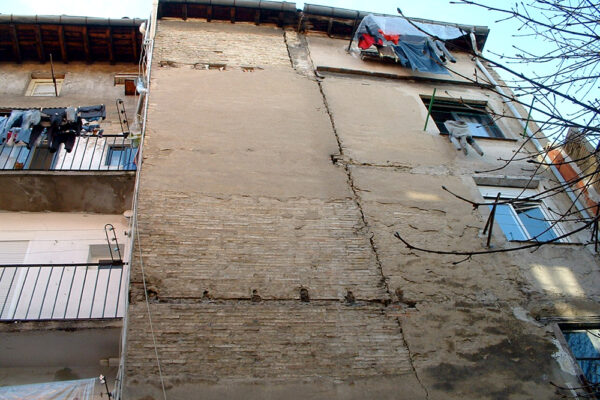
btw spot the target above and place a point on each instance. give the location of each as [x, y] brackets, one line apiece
[287, 47]
[356, 196]
[410, 357]
[357, 200]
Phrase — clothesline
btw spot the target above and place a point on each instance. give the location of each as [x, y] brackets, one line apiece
[59, 124]
[396, 38]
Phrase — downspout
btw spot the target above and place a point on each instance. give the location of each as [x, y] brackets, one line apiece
[149, 43]
[533, 139]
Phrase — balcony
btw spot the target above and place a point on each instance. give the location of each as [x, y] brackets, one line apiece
[71, 166]
[90, 153]
[62, 292]
[98, 175]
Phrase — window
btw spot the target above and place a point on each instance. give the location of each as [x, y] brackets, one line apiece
[585, 348]
[121, 156]
[43, 87]
[474, 114]
[522, 220]
[101, 254]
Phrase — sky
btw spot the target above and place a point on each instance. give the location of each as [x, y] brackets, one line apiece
[440, 10]
[500, 40]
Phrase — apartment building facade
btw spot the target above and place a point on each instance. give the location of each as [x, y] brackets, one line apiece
[280, 162]
[67, 172]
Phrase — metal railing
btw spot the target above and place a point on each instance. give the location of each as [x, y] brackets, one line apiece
[51, 292]
[89, 153]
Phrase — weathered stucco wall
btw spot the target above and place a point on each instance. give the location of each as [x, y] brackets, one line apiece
[469, 336]
[240, 208]
[84, 85]
[39, 352]
[259, 185]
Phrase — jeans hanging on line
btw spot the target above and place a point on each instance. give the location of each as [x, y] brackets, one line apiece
[416, 53]
[30, 119]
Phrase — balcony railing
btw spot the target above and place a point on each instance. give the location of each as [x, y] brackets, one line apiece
[90, 153]
[55, 292]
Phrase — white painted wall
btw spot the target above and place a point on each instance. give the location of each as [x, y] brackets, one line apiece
[60, 292]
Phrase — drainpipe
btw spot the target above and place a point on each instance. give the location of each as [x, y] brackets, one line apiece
[149, 43]
[535, 142]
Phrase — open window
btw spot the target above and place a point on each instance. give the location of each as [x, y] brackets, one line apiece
[480, 123]
[522, 219]
[584, 344]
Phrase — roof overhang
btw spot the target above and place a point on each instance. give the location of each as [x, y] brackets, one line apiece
[336, 22]
[256, 11]
[67, 38]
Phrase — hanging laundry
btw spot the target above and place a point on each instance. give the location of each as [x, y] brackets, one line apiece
[365, 41]
[71, 114]
[57, 116]
[15, 118]
[390, 38]
[415, 52]
[441, 51]
[92, 112]
[90, 127]
[416, 44]
[30, 119]
[460, 134]
[370, 38]
[37, 134]
[3, 121]
[61, 126]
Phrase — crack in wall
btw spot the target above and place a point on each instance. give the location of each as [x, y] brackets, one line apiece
[356, 197]
[345, 160]
[411, 358]
[287, 47]
[212, 299]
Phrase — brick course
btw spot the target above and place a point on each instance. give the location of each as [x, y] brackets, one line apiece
[279, 340]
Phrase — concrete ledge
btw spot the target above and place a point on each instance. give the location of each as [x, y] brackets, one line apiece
[74, 191]
[326, 70]
[506, 181]
[60, 325]
[404, 386]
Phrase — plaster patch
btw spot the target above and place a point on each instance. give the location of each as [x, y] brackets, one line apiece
[563, 359]
[523, 315]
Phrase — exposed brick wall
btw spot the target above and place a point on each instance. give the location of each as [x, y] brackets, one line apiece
[282, 340]
[231, 246]
[240, 192]
[195, 42]
[256, 204]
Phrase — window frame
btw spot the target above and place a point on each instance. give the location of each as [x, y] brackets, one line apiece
[559, 331]
[470, 107]
[122, 161]
[489, 194]
[35, 82]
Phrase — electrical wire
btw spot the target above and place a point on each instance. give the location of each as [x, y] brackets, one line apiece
[162, 382]
[147, 49]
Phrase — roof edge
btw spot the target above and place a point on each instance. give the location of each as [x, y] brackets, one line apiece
[69, 20]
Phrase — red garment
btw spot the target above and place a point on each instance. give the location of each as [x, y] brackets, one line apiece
[392, 38]
[366, 41]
